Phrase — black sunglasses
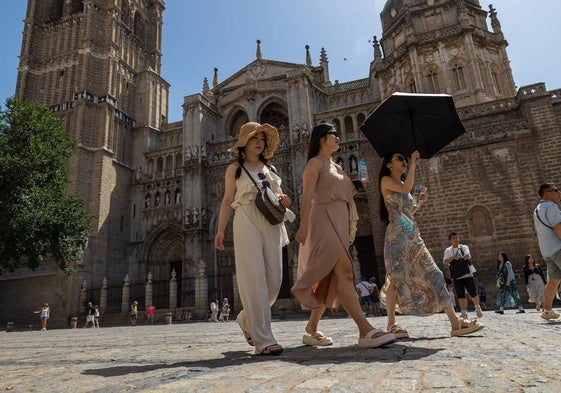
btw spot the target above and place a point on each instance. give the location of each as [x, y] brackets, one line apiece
[401, 158]
[553, 189]
[334, 133]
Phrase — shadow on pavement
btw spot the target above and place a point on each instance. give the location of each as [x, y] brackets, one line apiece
[304, 355]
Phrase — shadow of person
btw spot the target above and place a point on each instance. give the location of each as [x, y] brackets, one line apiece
[303, 355]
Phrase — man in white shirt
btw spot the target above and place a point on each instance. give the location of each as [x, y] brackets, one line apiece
[547, 221]
[458, 257]
[365, 289]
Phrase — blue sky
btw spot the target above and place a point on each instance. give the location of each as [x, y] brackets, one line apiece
[201, 35]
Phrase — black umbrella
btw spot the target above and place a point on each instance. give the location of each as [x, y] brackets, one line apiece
[405, 122]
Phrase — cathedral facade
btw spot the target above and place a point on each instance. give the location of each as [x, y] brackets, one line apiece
[155, 187]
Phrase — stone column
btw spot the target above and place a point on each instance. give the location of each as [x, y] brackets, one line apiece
[103, 296]
[149, 290]
[201, 291]
[173, 292]
[82, 305]
[125, 297]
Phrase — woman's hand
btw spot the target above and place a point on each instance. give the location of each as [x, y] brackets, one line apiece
[285, 200]
[415, 156]
[219, 241]
[301, 235]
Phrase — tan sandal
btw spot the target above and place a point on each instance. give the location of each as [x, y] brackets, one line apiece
[466, 326]
[398, 331]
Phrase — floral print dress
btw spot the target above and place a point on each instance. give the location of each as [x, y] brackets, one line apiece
[420, 286]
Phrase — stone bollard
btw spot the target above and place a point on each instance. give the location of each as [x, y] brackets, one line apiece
[168, 318]
[73, 322]
[282, 313]
[10, 327]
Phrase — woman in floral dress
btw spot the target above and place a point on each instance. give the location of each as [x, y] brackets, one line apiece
[413, 280]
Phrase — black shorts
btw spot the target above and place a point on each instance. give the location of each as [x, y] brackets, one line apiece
[461, 285]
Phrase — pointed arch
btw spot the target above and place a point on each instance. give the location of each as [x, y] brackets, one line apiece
[480, 222]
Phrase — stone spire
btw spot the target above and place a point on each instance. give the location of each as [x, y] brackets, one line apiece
[258, 52]
[206, 88]
[377, 51]
[308, 57]
[495, 24]
[215, 78]
[324, 64]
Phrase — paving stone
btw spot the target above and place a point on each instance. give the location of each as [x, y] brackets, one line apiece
[514, 353]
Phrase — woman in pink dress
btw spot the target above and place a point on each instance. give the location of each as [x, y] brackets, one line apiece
[325, 270]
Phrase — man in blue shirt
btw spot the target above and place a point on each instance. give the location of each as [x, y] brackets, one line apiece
[547, 221]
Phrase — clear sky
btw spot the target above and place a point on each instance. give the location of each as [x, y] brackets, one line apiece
[201, 35]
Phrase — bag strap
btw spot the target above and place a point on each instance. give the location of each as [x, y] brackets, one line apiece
[253, 180]
[251, 177]
[539, 218]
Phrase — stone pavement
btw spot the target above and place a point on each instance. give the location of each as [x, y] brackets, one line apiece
[514, 353]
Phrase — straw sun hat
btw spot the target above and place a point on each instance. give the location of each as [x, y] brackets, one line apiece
[250, 129]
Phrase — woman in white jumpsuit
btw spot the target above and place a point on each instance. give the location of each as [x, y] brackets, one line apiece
[257, 243]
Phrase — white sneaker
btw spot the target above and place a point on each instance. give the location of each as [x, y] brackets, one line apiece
[478, 311]
[547, 315]
[463, 315]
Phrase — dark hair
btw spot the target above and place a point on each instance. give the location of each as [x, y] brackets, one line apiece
[385, 171]
[544, 187]
[527, 259]
[452, 234]
[505, 257]
[318, 132]
[240, 159]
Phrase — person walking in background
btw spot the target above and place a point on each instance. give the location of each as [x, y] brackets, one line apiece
[327, 228]
[508, 295]
[150, 311]
[134, 313]
[482, 293]
[535, 282]
[365, 289]
[547, 222]
[44, 314]
[225, 310]
[458, 257]
[375, 296]
[90, 315]
[96, 316]
[450, 289]
[413, 280]
[257, 243]
[214, 311]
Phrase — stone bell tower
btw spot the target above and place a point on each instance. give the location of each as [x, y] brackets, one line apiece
[96, 64]
[440, 46]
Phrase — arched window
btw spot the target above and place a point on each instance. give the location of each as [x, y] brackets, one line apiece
[160, 165]
[157, 199]
[238, 120]
[349, 127]
[76, 6]
[432, 80]
[496, 81]
[360, 119]
[147, 201]
[458, 77]
[337, 124]
[169, 163]
[480, 222]
[412, 86]
[275, 115]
